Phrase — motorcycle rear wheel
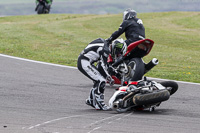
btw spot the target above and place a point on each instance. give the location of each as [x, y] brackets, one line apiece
[136, 70]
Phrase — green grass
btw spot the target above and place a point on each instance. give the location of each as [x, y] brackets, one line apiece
[59, 38]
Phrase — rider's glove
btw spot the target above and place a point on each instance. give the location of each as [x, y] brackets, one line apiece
[119, 61]
[109, 41]
[111, 70]
[110, 80]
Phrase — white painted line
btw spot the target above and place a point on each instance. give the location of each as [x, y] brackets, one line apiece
[100, 120]
[118, 119]
[45, 63]
[96, 128]
[183, 82]
[54, 120]
[104, 119]
[39, 62]
[110, 122]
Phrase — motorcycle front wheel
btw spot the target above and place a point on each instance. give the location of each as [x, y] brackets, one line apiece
[40, 9]
[171, 86]
[136, 68]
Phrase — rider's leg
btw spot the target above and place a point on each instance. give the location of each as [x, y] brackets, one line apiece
[98, 97]
[96, 93]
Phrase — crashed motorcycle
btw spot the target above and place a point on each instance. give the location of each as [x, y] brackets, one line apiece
[42, 7]
[131, 66]
[143, 94]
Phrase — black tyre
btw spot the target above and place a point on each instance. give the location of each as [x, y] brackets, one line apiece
[40, 9]
[172, 86]
[136, 70]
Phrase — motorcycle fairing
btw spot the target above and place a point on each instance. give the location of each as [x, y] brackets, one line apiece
[124, 88]
[117, 81]
[133, 83]
[145, 45]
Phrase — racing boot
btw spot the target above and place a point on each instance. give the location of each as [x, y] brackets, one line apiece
[99, 103]
[89, 100]
[98, 96]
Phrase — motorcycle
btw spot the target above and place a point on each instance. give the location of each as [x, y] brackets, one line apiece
[42, 7]
[143, 94]
[131, 67]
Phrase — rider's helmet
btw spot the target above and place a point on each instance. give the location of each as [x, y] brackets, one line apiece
[118, 48]
[129, 13]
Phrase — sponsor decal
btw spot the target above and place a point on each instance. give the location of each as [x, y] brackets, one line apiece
[92, 69]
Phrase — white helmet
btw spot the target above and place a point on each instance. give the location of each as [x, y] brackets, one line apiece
[118, 47]
[129, 13]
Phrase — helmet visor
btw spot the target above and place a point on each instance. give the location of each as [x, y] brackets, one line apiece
[118, 49]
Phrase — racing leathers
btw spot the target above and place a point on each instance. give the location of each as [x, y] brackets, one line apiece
[133, 28]
[96, 51]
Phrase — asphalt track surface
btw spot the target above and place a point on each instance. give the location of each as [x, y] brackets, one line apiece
[45, 98]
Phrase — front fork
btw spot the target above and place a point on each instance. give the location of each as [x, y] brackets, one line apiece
[123, 69]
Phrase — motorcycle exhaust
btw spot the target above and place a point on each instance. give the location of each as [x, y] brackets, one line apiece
[117, 104]
[151, 64]
[151, 98]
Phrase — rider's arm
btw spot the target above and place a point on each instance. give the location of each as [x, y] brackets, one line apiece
[118, 61]
[120, 31]
[49, 1]
[104, 57]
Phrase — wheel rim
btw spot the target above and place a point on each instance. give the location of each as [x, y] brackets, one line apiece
[131, 70]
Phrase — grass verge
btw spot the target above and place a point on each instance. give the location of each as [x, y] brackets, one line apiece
[59, 38]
